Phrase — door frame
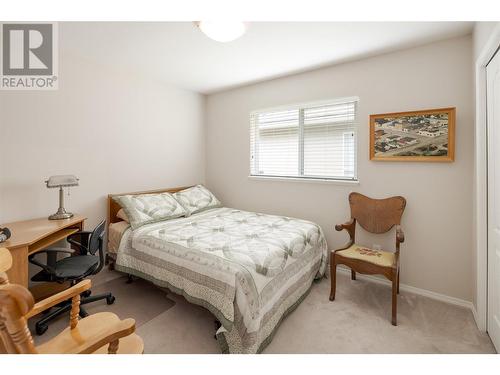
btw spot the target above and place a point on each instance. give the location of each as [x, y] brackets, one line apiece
[481, 180]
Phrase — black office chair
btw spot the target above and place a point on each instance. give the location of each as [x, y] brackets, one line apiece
[74, 269]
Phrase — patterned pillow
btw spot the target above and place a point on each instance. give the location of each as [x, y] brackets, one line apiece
[149, 208]
[197, 199]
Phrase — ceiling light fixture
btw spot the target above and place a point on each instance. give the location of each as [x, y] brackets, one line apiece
[223, 31]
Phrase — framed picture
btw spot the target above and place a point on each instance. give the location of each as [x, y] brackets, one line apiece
[427, 135]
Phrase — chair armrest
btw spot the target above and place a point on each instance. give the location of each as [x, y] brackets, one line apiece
[55, 250]
[111, 333]
[59, 297]
[350, 227]
[81, 232]
[102, 332]
[346, 225]
[400, 236]
[46, 267]
[80, 240]
[76, 243]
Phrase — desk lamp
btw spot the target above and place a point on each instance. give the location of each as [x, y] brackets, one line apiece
[61, 182]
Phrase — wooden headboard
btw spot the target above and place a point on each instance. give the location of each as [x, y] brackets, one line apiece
[114, 207]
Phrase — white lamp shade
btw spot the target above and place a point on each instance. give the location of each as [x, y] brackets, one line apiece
[62, 180]
[223, 31]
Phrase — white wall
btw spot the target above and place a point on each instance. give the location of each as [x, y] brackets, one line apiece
[105, 127]
[114, 131]
[482, 31]
[437, 254]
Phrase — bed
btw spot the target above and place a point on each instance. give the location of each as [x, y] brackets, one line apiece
[248, 269]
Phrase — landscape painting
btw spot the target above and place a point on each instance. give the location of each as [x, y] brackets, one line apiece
[427, 135]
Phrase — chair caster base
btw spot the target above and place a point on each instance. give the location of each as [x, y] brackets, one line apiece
[41, 329]
[83, 313]
[110, 300]
[217, 325]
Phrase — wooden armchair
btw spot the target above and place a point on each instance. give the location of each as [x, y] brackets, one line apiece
[98, 333]
[375, 216]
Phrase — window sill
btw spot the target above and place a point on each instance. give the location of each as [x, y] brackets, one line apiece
[306, 180]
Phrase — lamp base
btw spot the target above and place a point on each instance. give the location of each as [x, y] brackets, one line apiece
[61, 212]
[60, 215]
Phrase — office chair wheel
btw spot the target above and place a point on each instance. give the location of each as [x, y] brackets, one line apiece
[41, 329]
[86, 294]
[110, 300]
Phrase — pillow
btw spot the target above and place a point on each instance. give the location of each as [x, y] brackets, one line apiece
[149, 208]
[122, 215]
[197, 199]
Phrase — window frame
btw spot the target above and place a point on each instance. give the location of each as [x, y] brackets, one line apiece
[301, 107]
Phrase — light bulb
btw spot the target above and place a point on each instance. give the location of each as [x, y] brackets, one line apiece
[223, 31]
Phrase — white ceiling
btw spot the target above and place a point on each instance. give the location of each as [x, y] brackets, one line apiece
[179, 54]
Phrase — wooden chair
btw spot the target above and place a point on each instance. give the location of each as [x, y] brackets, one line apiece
[98, 333]
[375, 216]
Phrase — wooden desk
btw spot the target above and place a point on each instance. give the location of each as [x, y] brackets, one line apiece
[31, 236]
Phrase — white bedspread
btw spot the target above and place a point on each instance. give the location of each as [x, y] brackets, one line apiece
[248, 269]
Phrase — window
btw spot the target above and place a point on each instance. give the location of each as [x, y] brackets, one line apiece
[312, 141]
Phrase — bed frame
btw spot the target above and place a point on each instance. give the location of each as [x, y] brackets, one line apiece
[114, 207]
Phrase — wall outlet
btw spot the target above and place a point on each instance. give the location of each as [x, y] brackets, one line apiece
[376, 247]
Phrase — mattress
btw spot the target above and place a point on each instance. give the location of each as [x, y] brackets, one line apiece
[115, 234]
[249, 269]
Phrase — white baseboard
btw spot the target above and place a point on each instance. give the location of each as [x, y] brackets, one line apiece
[474, 314]
[411, 289]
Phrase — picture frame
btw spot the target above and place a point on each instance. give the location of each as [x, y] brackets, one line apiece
[424, 135]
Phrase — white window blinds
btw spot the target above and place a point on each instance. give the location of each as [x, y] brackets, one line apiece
[308, 141]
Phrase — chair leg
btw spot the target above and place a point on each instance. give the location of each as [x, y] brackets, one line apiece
[399, 272]
[110, 299]
[42, 325]
[353, 275]
[333, 275]
[394, 299]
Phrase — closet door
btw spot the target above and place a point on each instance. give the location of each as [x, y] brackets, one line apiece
[493, 119]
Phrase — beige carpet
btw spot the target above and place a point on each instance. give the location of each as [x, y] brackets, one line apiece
[358, 321]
